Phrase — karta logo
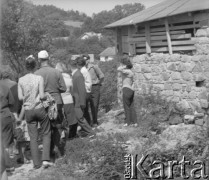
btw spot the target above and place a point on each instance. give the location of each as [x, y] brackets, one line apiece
[163, 170]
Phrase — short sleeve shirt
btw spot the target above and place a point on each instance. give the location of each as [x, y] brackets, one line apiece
[30, 88]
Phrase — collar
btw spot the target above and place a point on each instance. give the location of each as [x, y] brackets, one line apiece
[74, 71]
[90, 66]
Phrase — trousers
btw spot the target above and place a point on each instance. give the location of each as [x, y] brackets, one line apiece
[94, 102]
[128, 103]
[33, 117]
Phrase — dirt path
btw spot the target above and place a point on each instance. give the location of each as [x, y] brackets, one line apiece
[110, 124]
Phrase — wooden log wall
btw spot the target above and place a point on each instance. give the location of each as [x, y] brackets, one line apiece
[168, 35]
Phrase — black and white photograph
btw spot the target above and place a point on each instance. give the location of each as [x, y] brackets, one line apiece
[104, 89]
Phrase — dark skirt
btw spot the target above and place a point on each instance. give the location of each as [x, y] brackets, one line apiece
[70, 114]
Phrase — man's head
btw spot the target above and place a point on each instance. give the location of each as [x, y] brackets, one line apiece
[86, 57]
[43, 56]
[73, 63]
[81, 62]
[5, 72]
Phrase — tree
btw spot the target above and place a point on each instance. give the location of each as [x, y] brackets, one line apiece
[104, 18]
[22, 33]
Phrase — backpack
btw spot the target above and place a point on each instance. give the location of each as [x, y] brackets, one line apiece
[51, 106]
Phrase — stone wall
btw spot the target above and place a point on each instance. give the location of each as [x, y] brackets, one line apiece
[183, 79]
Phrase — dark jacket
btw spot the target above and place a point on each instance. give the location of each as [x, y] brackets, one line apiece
[53, 82]
[79, 90]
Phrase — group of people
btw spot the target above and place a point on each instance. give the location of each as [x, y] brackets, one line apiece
[49, 104]
[72, 87]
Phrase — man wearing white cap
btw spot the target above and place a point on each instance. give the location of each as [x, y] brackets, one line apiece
[53, 84]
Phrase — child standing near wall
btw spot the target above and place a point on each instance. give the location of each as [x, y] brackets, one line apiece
[128, 91]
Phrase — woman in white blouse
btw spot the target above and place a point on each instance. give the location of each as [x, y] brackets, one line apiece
[128, 91]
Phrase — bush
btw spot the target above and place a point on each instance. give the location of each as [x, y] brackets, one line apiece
[109, 87]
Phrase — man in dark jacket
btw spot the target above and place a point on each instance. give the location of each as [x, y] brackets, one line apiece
[79, 97]
[53, 84]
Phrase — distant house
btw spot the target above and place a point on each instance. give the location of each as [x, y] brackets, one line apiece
[76, 24]
[108, 54]
[61, 38]
[88, 35]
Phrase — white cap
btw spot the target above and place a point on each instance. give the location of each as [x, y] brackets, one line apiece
[43, 54]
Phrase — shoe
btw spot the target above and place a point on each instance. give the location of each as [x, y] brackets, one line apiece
[135, 125]
[47, 164]
[125, 125]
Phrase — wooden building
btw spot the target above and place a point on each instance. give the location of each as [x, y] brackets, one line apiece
[166, 27]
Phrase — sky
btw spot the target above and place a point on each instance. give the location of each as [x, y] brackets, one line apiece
[92, 6]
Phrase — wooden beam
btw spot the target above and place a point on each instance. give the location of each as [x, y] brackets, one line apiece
[159, 33]
[119, 41]
[177, 27]
[168, 36]
[157, 38]
[148, 39]
[165, 49]
[161, 43]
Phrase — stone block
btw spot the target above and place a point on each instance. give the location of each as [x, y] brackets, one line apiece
[171, 66]
[157, 78]
[175, 99]
[204, 103]
[202, 48]
[167, 86]
[163, 67]
[175, 57]
[140, 76]
[201, 33]
[197, 68]
[189, 119]
[199, 77]
[192, 95]
[199, 122]
[189, 66]
[184, 86]
[203, 95]
[168, 93]
[186, 76]
[197, 89]
[185, 95]
[137, 68]
[140, 58]
[188, 88]
[156, 69]
[165, 76]
[176, 87]
[175, 76]
[186, 58]
[175, 119]
[181, 67]
[158, 87]
[195, 105]
[196, 58]
[147, 76]
[177, 94]
[146, 68]
[183, 105]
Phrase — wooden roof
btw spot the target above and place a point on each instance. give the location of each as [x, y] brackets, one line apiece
[161, 10]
